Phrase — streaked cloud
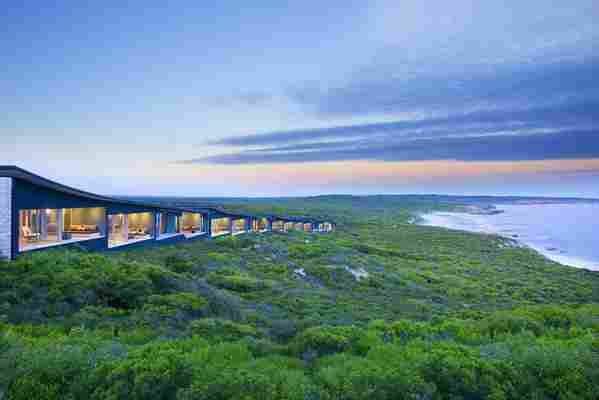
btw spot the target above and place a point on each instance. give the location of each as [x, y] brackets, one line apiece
[560, 131]
[500, 147]
[505, 86]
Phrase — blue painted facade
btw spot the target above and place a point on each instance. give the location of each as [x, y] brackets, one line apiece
[31, 192]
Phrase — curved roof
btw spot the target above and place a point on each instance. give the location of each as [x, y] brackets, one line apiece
[12, 171]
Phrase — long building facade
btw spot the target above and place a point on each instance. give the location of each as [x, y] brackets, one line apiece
[37, 213]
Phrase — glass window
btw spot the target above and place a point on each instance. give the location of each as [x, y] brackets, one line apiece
[130, 228]
[39, 228]
[192, 223]
[220, 226]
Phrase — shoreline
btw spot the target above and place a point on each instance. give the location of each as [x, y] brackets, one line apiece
[471, 219]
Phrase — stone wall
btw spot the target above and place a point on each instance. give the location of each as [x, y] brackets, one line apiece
[5, 218]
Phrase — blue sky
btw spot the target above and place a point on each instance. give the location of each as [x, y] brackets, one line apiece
[363, 97]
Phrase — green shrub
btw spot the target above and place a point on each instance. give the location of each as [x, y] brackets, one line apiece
[555, 369]
[218, 258]
[220, 330]
[325, 340]
[69, 280]
[500, 324]
[306, 251]
[178, 264]
[344, 376]
[459, 372]
[96, 316]
[238, 282]
[331, 275]
[229, 372]
[402, 330]
[187, 302]
[174, 309]
[47, 368]
[153, 371]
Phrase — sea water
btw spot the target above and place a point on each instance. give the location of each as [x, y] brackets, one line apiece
[567, 233]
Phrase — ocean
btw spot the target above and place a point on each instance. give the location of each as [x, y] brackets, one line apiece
[565, 232]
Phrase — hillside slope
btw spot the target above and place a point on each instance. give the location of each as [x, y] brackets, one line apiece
[379, 309]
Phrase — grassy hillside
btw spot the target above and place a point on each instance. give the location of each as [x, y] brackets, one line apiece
[379, 309]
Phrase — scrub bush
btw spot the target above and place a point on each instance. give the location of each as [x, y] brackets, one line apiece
[187, 302]
[238, 282]
[325, 340]
[221, 330]
[229, 372]
[178, 264]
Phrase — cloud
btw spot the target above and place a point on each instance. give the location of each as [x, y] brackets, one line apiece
[463, 55]
[513, 81]
[562, 131]
[526, 112]
[514, 85]
[585, 113]
[499, 147]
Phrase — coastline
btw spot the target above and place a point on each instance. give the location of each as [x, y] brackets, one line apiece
[477, 219]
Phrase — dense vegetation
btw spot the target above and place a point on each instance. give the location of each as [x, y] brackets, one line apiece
[379, 309]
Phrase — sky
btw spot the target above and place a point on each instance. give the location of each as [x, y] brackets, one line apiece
[275, 98]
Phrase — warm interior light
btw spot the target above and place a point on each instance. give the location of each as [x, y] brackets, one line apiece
[48, 211]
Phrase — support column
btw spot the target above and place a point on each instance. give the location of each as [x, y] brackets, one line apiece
[157, 224]
[125, 232]
[59, 223]
[171, 223]
[42, 218]
[109, 224]
[231, 226]
[206, 224]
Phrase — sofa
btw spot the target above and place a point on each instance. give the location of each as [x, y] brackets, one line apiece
[81, 228]
[192, 228]
[136, 231]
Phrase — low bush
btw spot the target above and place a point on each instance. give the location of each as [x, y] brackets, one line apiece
[238, 282]
[325, 340]
[229, 371]
[344, 376]
[331, 275]
[67, 281]
[306, 251]
[187, 302]
[220, 330]
[46, 368]
[153, 371]
[226, 360]
[178, 263]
